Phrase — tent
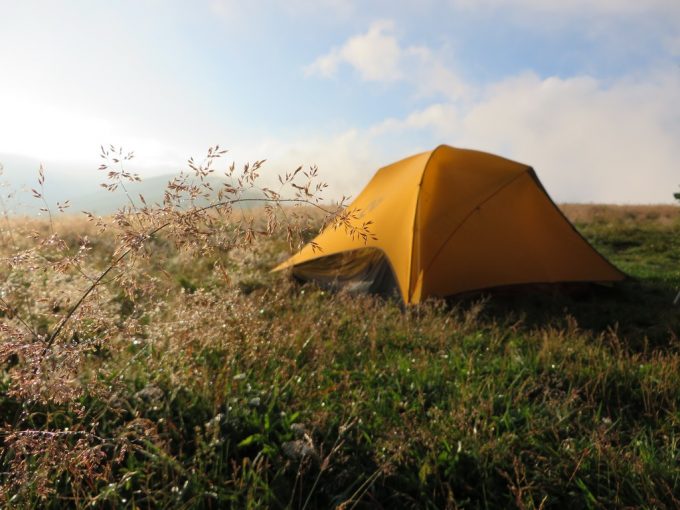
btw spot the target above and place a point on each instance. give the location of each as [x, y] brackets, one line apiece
[451, 221]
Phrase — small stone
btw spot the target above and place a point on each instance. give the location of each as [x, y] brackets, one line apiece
[298, 429]
[298, 450]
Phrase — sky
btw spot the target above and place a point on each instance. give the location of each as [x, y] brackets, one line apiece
[587, 92]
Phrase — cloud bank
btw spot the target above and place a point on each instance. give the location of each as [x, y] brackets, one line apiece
[586, 92]
[589, 139]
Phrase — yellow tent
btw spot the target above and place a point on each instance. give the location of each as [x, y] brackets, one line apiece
[450, 221]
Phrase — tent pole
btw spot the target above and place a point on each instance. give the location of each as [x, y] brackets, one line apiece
[677, 299]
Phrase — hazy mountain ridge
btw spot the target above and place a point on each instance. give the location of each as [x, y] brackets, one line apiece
[81, 187]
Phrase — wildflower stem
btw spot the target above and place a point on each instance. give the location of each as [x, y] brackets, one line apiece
[55, 334]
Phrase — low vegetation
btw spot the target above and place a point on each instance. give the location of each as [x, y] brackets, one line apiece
[191, 377]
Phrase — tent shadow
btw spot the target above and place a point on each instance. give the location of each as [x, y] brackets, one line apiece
[640, 312]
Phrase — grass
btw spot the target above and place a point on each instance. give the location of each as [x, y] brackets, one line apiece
[222, 385]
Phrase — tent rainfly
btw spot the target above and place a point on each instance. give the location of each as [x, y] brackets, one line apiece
[451, 221]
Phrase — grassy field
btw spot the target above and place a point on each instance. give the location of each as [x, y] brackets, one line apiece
[207, 382]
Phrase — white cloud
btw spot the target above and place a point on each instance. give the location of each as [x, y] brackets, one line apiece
[378, 56]
[346, 160]
[588, 141]
[439, 117]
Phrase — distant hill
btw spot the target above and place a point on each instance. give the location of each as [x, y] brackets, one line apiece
[62, 182]
[152, 189]
[79, 185]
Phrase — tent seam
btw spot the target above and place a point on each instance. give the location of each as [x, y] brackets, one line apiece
[413, 226]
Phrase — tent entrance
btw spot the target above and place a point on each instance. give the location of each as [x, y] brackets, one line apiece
[365, 270]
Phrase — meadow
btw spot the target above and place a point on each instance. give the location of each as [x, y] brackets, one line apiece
[192, 377]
